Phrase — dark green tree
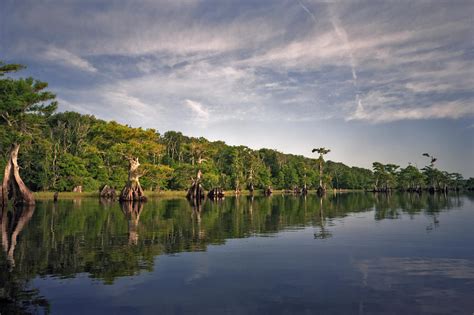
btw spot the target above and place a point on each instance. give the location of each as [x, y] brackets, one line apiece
[24, 108]
[430, 171]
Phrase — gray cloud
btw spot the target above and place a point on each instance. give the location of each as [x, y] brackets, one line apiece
[306, 61]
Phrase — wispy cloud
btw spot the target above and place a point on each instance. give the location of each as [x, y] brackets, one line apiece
[68, 59]
[354, 61]
[307, 11]
[199, 110]
[380, 114]
[342, 35]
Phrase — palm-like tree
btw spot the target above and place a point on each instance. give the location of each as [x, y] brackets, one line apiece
[322, 151]
[430, 169]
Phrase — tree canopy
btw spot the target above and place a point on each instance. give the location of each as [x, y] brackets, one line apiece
[24, 104]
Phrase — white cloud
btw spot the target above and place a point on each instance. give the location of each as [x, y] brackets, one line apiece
[199, 110]
[122, 100]
[68, 59]
[424, 87]
[380, 114]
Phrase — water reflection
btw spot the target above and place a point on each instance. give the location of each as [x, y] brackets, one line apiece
[12, 223]
[15, 296]
[86, 236]
[444, 285]
[108, 240]
[323, 232]
[132, 211]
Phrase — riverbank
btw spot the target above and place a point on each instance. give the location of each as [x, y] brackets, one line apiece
[44, 195]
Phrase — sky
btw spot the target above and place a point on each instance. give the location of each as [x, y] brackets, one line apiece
[373, 81]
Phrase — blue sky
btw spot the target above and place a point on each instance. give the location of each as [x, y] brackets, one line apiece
[373, 81]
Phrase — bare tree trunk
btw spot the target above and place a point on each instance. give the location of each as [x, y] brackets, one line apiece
[250, 184]
[196, 191]
[13, 186]
[320, 174]
[133, 190]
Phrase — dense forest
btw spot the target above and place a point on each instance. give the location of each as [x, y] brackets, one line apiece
[74, 149]
[63, 150]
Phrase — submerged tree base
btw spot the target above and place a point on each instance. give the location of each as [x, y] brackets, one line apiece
[321, 191]
[196, 192]
[108, 193]
[268, 191]
[218, 193]
[132, 192]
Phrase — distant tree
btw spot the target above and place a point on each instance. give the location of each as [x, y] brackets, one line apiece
[469, 183]
[430, 170]
[321, 151]
[24, 107]
[391, 170]
[410, 178]
[455, 180]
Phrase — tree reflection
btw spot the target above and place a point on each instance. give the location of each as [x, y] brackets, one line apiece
[323, 232]
[68, 238]
[132, 211]
[198, 232]
[12, 223]
[15, 295]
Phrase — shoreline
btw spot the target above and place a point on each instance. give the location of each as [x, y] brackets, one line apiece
[44, 195]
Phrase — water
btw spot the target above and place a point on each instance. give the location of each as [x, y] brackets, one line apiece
[344, 254]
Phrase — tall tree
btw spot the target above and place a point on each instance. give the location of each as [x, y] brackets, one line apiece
[321, 151]
[24, 107]
[430, 170]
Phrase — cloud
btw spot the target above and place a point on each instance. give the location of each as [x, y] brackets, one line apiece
[307, 11]
[118, 102]
[68, 59]
[342, 35]
[307, 61]
[381, 114]
[121, 100]
[200, 111]
[139, 27]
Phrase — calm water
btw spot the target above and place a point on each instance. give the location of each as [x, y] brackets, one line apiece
[343, 254]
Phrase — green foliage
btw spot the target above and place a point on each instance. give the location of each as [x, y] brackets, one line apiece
[24, 105]
[73, 149]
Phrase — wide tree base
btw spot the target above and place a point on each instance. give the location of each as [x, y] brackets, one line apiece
[132, 192]
[268, 191]
[108, 193]
[196, 192]
[321, 191]
[216, 193]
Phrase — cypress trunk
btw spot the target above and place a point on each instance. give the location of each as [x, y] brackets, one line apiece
[133, 190]
[13, 187]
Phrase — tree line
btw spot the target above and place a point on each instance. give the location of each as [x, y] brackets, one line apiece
[63, 150]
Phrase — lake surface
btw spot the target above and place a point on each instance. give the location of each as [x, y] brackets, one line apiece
[351, 253]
